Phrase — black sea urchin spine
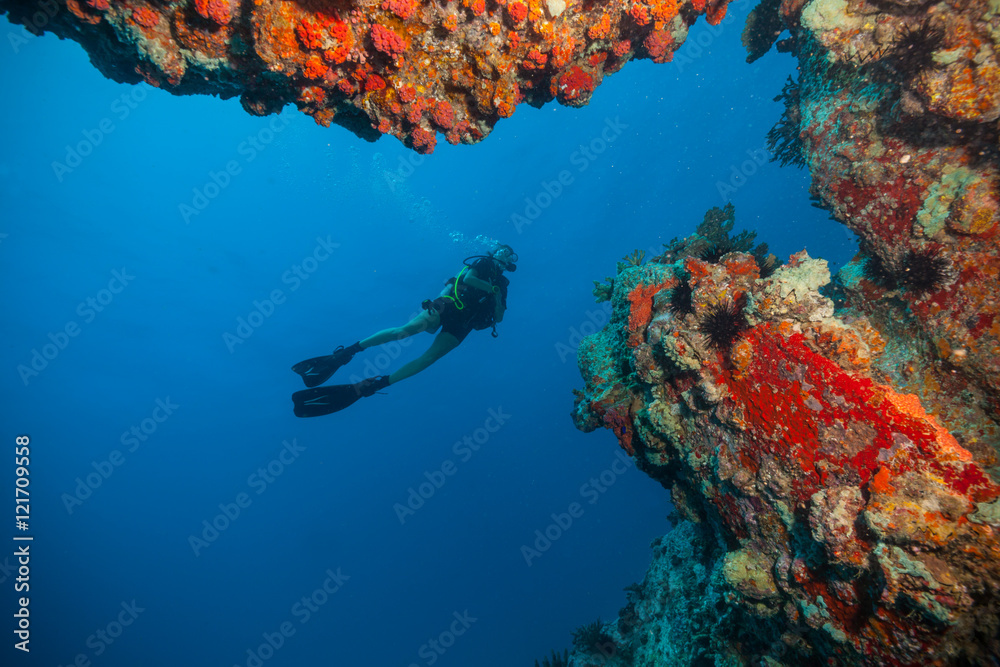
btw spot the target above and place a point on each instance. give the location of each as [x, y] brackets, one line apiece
[924, 271]
[680, 299]
[722, 324]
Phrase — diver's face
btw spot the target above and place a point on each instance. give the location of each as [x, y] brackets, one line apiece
[503, 255]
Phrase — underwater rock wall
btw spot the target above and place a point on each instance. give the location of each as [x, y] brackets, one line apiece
[832, 516]
[831, 445]
[409, 68]
[896, 114]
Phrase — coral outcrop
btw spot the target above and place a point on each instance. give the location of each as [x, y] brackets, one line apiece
[410, 68]
[830, 513]
[896, 114]
[831, 445]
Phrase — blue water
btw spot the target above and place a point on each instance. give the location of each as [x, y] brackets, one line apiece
[384, 228]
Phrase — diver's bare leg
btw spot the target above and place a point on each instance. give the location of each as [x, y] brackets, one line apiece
[425, 321]
[442, 345]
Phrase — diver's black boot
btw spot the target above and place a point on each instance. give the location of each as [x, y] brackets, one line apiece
[369, 386]
[318, 370]
[327, 400]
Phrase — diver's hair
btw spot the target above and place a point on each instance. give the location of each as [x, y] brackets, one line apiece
[503, 246]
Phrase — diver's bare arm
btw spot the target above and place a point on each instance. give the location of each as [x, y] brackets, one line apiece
[499, 310]
[470, 278]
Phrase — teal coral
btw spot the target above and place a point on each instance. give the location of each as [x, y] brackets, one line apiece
[933, 215]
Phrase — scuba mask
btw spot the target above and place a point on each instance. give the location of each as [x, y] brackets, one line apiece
[506, 256]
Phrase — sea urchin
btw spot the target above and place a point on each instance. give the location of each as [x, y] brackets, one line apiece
[924, 271]
[723, 323]
[680, 299]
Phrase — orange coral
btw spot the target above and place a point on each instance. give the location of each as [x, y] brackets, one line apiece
[665, 10]
[337, 55]
[339, 31]
[741, 355]
[314, 68]
[423, 140]
[220, 11]
[517, 11]
[361, 72]
[82, 14]
[641, 310]
[443, 115]
[416, 112]
[621, 48]
[716, 12]
[310, 33]
[573, 85]
[601, 29]
[482, 58]
[658, 44]
[145, 17]
[880, 482]
[909, 404]
[505, 98]
[312, 95]
[596, 59]
[639, 14]
[387, 41]
[535, 60]
[374, 82]
[404, 9]
[407, 93]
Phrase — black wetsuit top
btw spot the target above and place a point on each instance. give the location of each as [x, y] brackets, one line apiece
[479, 306]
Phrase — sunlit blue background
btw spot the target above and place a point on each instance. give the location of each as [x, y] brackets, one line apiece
[403, 224]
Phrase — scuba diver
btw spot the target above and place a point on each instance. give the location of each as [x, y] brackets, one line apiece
[475, 298]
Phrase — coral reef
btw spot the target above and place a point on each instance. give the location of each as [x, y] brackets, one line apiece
[896, 113]
[409, 68]
[831, 445]
[828, 513]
